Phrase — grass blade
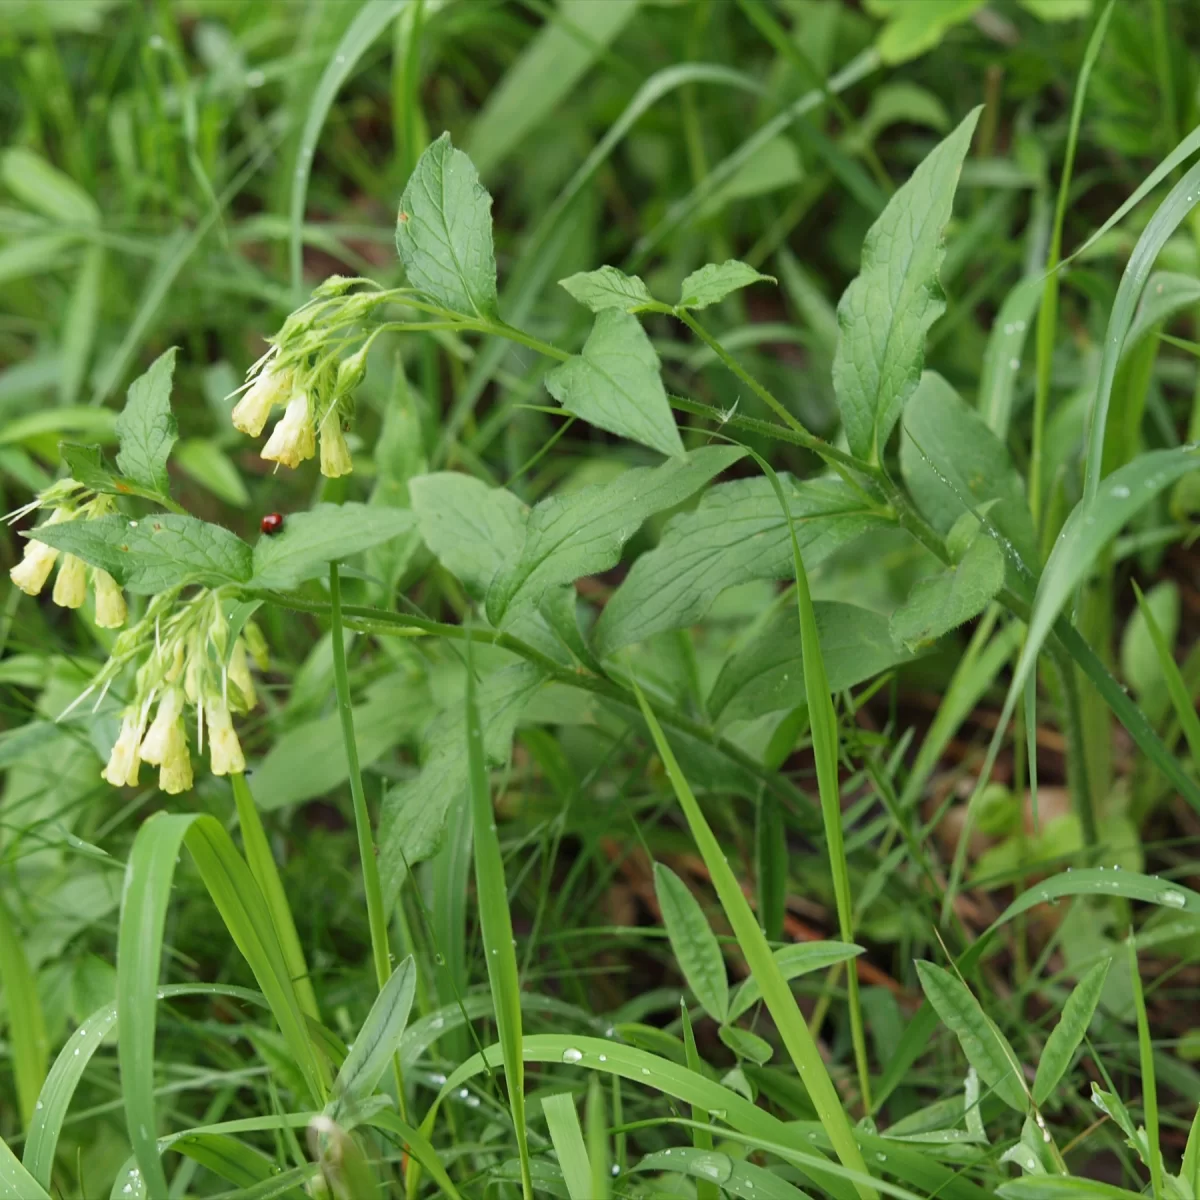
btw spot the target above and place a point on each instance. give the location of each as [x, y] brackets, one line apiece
[778, 997]
[1149, 1090]
[566, 1135]
[1096, 881]
[597, 1138]
[28, 1043]
[693, 943]
[1177, 688]
[495, 924]
[16, 1183]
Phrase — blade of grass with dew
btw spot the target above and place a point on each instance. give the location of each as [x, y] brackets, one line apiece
[566, 1136]
[369, 22]
[702, 1138]
[1177, 687]
[266, 874]
[495, 922]
[1149, 1087]
[596, 1121]
[778, 996]
[16, 1183]
[1048, 312]
[28, 1044]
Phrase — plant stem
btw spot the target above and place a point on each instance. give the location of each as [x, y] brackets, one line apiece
[376, 913]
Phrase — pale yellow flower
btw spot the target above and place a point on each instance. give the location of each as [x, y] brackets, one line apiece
[292, 440]
[70, 588]
[110, 600]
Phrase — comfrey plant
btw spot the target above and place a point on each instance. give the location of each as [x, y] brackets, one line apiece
[951, 487]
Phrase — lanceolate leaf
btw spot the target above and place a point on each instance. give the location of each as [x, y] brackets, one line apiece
[886, 312]
[712, 283]
[944, 601]
[444, 232]
[767, 674]
[582, 533]
[1069, 1032]
[311, 540]
[155, 553]
[610, 288]
[983, 1044]
[693, 942]
[735, 534]
[146, 427]
[614, 384]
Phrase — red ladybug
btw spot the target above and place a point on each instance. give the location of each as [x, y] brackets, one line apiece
[272, 523]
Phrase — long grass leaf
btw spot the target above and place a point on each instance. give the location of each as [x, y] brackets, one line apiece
[566, 1135]
[28, 1043]
[1177, 688]
[1149, 1087]
[16, 1183]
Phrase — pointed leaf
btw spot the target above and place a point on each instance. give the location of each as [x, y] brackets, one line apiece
[986, 1048]
[746, 1044]
[147, 428]
[802, 958]
[712, 283]
[444, 232]
[886, 312]
[610, 288]
[1064, 1039]
[614, 384]
[693, 942]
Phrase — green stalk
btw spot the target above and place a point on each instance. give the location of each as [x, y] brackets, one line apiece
[376, 912]
[266, 874]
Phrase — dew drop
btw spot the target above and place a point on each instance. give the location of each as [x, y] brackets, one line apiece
[1173, 899]
[604, 1058]
[1014, 363]
[571, 1055]
[1120, 491]
[881, 1157]
[615, 1170]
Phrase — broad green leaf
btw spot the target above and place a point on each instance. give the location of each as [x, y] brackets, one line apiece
[900, 103]
[801, 958]
[1149, 636]
[212, 468]
[712, 283]
[46, 189]
[311, 540]
[444, 232]
[309, 760]
[914, 26]
[583, 533]
[1089, 528]
[29, 1047]
[951, 458]
[80, 420]
[885, 314]
[377, 1041]
[1064, 1039]
[986, 1048]
[693, 942]
[609, 288]
[533, 89]
[767, 673]
[146, 427]
[473, 529]
[414, 813]
[614, 384]
[746, 1044]
[86, 464]
[735, 534]
[155, 553]
[566, 1136]
[945, 601]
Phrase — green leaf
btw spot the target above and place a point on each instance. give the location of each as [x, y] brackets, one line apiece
[800, 958]
[1064, 1039]
[610, 288]
[86, 464]
[1062, 1187]
[211, 467]
[736, 533]
[311, 540]
[1002, 358]
[914, 26]
[1096, 881]
[46, 189]
[444, 232]
[583, 533]
[473, 529]
[155, 553]
[614, 384]
[377, 1041]
[1058, 10]
[950, 459]
[16, 1183]
[414, 814]
[566, 1136]
[712, 283]
[146, 427]
[986, 1048]
[886, 312]
[767, 673]
[29, 1047]
[1176, 686]
[693, 942]
[746, 1044]
[945, 601]
[735, 1177]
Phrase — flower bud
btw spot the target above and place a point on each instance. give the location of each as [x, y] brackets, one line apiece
[239, 675]
[31, 573]
[110, 600]
[167, 722]
[225, 751]
[124, 761]
[292, 440]
[335, 454]
[70, 588]
[270, 387]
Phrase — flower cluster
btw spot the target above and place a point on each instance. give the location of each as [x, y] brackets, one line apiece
[310, 382]
[69, 500]
[195, 662]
